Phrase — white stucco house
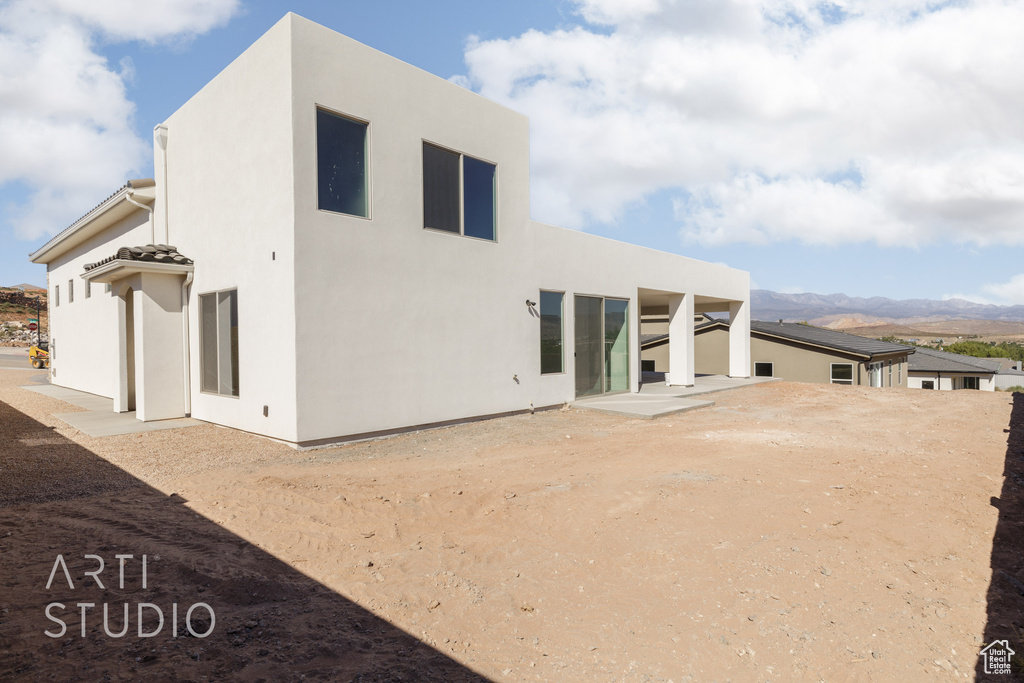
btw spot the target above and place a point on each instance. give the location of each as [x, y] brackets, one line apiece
[336, 244]
[942, 370]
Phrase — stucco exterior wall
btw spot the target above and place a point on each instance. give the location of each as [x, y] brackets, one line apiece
[231, 209]
[948, 382]
[86, 330]
[416, 326]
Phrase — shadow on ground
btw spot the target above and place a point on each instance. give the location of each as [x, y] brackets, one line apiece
[270, 622]
[1006, 588]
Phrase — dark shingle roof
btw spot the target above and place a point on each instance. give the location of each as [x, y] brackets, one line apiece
[820, 336]
[931, 360]
[646, 339]
[158, 253]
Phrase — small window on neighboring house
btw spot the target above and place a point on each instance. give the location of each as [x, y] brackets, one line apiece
[341, 162]
[899, 373]
[56, 296]
[842, 373]
[218, 340]
[88, 289]
[458, 193]
[927, 384]
[890, 373]
[109, 288]
[551, 353]
[71, 291]
[764, 369]
[972, 383]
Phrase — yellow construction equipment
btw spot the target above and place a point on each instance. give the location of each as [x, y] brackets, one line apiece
[39, 354]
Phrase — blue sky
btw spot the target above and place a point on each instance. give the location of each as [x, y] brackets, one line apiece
[858, 146]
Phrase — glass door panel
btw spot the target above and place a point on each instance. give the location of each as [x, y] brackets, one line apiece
[589, 342]
[616, 345]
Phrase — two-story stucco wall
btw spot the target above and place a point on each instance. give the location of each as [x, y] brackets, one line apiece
[231, 210]
[793, 361]
[85, 331]
[409, 326]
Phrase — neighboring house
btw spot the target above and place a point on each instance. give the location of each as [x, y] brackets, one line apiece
[803, 353]
[933, 369]
[337, 244]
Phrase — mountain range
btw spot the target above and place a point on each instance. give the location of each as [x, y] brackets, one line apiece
[820, 308]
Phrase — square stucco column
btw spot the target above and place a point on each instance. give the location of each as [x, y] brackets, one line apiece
[739, 339]
[680, 340]
[159, 355]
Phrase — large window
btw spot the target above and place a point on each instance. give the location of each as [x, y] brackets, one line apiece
[551, 355]
[342, 180]
[764, 369]
[972, 383]
[458, 193]
[219, 342]
[842, 373]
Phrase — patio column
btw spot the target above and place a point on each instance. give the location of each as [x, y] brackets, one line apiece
[680, 340]
[739, 339]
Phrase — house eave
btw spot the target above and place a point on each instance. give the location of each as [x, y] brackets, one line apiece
[112, 210]
[122, 268]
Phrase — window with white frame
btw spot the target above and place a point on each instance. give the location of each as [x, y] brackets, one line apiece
[764, 369]
[842, 373]
[459, 193]
[343, 184]
[972, 383]
[218, 340]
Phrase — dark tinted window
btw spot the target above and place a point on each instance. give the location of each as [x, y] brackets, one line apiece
[341, 164]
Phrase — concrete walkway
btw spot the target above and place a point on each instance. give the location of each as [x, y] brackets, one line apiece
[656, 399]
[100, 418]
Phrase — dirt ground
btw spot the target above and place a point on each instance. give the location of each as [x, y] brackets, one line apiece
[792, 532]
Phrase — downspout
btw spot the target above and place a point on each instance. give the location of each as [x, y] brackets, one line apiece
[160, 134]
[184, 336]
[152, 227]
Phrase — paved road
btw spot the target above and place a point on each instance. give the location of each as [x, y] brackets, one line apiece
[15, 358]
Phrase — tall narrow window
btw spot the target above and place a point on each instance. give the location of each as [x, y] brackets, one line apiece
[440, 189]
[342, 180]
[88, 289]
[71, 291]
[56, 296]
[551, 354]
[459, 193]
[219, 342]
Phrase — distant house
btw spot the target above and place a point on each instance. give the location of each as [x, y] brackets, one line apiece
[933, 369]
[803, 353]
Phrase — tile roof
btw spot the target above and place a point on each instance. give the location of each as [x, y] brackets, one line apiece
[160, 253]
[131, 184]
[821, 336]
[932, 360]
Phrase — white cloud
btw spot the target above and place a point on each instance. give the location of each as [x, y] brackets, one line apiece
[889, 121]
[66, 126]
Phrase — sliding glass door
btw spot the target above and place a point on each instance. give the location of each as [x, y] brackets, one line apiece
[602, 345]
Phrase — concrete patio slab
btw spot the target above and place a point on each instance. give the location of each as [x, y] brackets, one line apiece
[637, 405]
[655, 399]
[99, 418]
